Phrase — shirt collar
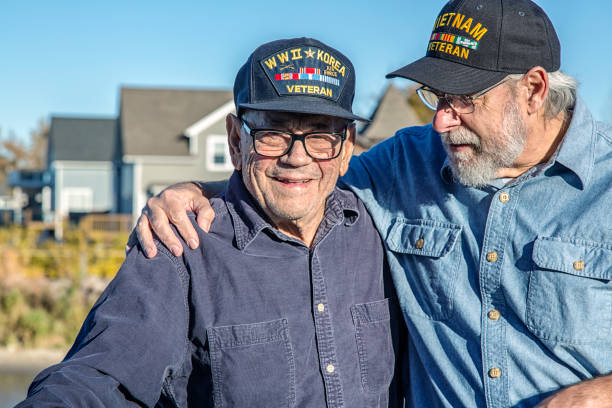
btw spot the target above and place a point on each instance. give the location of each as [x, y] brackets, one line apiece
[576, 151]
[249, 220]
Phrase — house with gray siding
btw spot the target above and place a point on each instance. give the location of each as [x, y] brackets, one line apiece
[81, 165]
[168, 136]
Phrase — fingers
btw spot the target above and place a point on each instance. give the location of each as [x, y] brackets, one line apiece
[132, 240]
[159, 222]
[175, 202]
[145, 236]
[204, 212]
[184, 227]
[171, 206]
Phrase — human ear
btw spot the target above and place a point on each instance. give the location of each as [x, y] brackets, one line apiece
[536, 82]
[234, 135]
[347, 149]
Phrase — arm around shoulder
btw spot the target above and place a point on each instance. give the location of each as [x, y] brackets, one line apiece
[596, 392]
[371, 175]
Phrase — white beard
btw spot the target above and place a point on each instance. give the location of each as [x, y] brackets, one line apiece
[477, 166]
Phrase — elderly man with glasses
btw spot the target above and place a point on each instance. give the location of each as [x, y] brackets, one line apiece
[496, 218]
[286, 303]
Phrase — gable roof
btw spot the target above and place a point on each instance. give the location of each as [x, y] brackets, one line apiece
[392, 113]
[153, 121]
[82, 139]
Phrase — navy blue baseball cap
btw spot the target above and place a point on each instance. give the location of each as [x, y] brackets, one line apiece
[476, 43]
[299, 75]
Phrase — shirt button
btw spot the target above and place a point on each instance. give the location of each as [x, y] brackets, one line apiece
[495, 373]
[494, 314]
[579, 265]
[330, 368]
[492, 256]
[321, 307]
[504, 197]
[419, 244]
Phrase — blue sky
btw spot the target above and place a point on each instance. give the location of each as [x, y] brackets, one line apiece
[72, 57]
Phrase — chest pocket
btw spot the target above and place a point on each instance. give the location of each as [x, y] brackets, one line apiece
[569, 298]
[374, 345]
[424, 253]
[252, 365]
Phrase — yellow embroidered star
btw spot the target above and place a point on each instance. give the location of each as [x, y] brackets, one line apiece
[309, 53]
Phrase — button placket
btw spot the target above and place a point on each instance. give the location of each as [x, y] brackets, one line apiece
[325, 336]
[493, 340]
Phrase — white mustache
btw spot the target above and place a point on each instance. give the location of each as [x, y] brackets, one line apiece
[461, 136]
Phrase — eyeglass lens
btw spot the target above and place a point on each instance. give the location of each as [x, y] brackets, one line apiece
[318, 145]
[460, 103]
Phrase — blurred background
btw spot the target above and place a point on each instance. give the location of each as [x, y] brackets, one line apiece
[106, 103]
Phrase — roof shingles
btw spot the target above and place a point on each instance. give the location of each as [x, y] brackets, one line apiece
[153, 120]
[82, 139]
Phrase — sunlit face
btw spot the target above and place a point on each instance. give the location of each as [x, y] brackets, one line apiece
[488, 140]
[294, 187]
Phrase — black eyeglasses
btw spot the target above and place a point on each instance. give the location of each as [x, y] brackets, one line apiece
[460, 103]
[277, 143]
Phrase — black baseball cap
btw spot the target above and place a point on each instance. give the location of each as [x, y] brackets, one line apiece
[476, 43]
[300, 75]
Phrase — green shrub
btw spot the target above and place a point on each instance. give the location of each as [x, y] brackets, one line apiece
[42, 302]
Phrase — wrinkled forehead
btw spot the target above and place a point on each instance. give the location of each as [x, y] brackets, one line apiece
[290, 120]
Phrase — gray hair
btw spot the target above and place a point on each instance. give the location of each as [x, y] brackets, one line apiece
[561, 93]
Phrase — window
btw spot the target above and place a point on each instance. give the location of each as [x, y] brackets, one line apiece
[217, 154]
[77, 199]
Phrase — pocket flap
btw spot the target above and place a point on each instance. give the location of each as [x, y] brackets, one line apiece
[574, 256]
[364, 313]
[422, 237]
[247, 334]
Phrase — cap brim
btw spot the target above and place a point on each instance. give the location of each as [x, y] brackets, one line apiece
[447, 76]
[308, 105]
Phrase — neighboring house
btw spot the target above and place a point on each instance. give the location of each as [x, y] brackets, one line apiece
[168, 136]
[393, 112]
[161, 137]
[30, 196]
[81, 166]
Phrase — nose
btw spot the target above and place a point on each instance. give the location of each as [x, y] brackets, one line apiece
[445, 118]
[297, 156]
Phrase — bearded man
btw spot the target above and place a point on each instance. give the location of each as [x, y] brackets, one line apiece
[496, 218]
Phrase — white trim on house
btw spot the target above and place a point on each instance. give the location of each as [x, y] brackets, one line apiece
[193, 131]
[67, 164]
[175, 160]
[58, 184]
[138, 194]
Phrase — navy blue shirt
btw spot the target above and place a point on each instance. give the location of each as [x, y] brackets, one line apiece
[251, 318]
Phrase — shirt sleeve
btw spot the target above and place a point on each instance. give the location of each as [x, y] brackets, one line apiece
[133, 338]
[371, 177]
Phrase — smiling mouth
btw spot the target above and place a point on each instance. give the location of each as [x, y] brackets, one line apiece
[292, 181]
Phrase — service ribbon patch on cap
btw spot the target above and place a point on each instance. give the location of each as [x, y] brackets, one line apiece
[306, 71]
[454, 44]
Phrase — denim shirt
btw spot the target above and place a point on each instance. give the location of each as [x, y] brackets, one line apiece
[252, 318]
[506, 289]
